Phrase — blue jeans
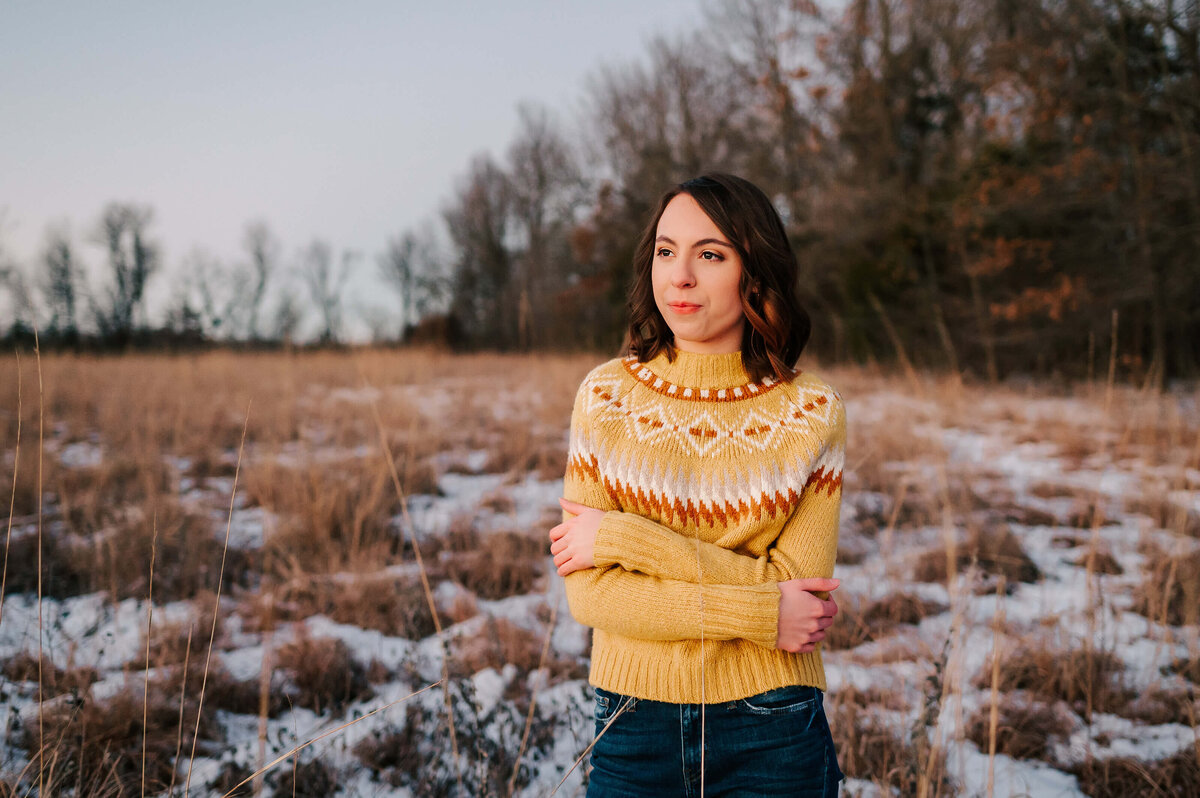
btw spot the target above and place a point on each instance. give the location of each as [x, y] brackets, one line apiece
[773, 743]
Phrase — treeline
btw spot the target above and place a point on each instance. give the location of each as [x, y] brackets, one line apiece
[262, 299]
[982, 187]
[990, 188]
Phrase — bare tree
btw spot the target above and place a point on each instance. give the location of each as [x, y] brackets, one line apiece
[12, 279]
[771, 47]
[182, 317]
[655, 124]
[545, 188]
[220, 295]
[61, 281]
[132, 260]
[263, 248]
[325, 282]
[478, 222]
[406, 264]
[287, 316]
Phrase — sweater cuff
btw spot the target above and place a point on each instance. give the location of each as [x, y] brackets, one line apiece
[751, 613]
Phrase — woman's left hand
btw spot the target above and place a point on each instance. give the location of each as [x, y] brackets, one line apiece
[573, 541]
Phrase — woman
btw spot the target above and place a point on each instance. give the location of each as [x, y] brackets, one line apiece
[701, 506]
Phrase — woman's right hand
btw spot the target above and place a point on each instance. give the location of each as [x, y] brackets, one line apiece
[804, 617]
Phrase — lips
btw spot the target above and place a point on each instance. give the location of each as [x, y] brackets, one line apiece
[683, 307]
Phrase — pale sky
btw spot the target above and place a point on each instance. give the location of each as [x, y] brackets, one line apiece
[346, 121]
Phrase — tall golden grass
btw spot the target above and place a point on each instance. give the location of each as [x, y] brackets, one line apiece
[336, 443]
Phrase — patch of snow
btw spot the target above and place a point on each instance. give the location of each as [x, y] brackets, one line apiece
[1113, 736]
[969, 767]
[81, 454]
[490, 686]
[247, 527]
[367, 644]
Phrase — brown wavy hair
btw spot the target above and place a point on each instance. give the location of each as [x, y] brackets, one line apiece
[776, 327]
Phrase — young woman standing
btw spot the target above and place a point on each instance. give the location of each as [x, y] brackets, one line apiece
[701, 505]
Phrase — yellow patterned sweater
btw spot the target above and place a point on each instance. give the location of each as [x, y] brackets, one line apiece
[716, 488]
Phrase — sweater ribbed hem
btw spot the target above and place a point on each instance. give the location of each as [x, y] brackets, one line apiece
[671, 672]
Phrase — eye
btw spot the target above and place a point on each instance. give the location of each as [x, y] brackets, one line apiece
[662, 252]
[708, 254]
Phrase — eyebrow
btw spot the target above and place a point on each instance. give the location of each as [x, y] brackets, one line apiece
[701, 242]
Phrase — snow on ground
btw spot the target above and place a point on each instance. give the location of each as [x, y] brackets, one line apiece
[990, 447]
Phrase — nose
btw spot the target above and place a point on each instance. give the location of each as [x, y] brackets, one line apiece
[682, 275]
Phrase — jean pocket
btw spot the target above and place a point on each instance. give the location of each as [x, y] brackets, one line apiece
[782, 701]
[608, 704]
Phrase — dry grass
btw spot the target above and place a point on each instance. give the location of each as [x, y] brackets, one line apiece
[1167, 514]
[95, 747]
[1099, 560]
[55, 681]
[502, 564]
[1120, 777]
[309, 779]
[323, 674]
[117, 558]
[392, 604]
[855, 625]
[93, 499]
[1156, 706]
[228, 777]
[996, 551]
[1026, 729]
[64, 572]
[504, 643]
[872, 749]
[313, 461]
[221, 689]
[393, 756]
[188, 560]
[170, 639]
[1086, 680]
[1170, 589]
[333, 518]
[1187, 668]
[518, 449]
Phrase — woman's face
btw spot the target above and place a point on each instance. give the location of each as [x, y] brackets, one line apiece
[695, 274]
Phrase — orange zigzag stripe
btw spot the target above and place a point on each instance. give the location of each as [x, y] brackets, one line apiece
[694, 513]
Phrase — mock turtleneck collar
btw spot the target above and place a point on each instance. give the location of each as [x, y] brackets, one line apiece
[701, 371]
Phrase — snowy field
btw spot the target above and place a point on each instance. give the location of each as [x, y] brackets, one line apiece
[1020, 570]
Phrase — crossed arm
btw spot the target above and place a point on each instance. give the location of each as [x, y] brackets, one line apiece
[627, 574]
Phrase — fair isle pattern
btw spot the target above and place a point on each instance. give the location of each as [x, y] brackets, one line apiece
[671, 509]
[735, 393]
[662, 475]
[732, 430]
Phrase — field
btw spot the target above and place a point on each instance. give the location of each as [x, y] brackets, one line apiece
[215, 559]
